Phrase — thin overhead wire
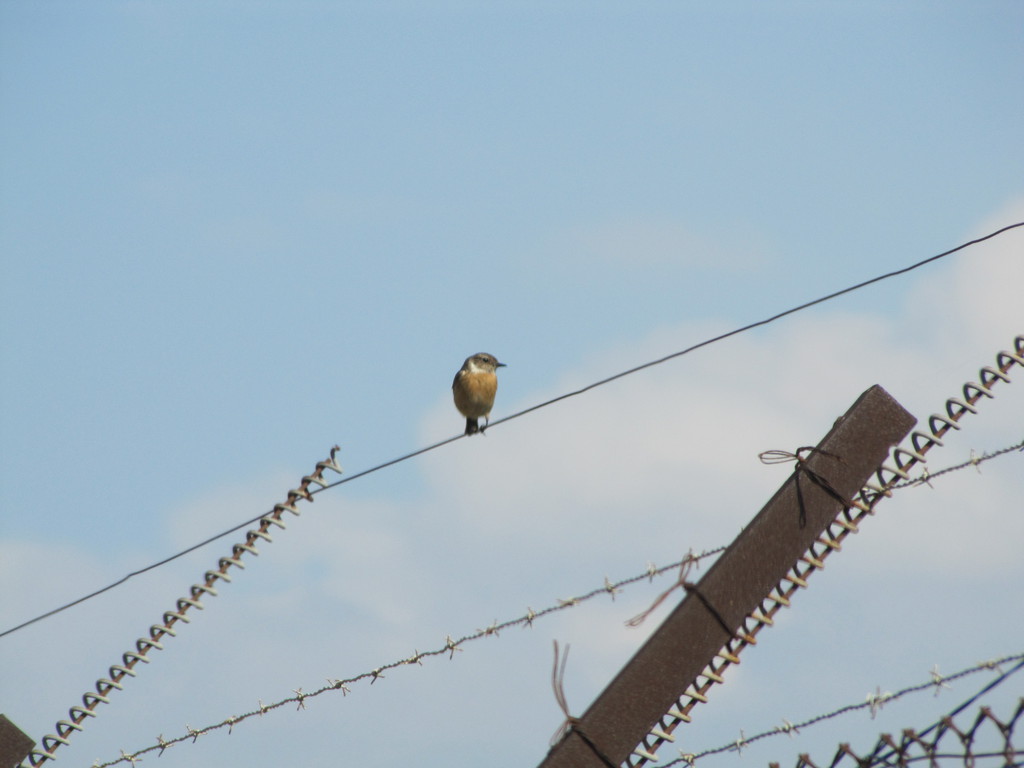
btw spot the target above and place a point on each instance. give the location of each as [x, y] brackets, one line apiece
[751, 326]
[574, 393]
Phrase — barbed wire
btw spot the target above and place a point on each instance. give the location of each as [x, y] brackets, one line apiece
[450, 647]
[496, 422]
[873, 703]
[926, 476]
[888, 752]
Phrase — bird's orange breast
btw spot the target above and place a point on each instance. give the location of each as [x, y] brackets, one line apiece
[474, 393]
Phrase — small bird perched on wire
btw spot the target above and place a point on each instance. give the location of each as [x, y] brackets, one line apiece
[474, 388]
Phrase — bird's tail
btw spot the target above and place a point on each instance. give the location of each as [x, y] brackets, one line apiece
[472, 426]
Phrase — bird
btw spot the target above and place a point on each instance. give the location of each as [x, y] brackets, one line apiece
[474, 388]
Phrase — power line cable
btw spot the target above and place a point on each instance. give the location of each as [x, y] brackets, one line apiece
[594, 385]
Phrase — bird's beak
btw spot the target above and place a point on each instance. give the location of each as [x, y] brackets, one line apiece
[500, 365]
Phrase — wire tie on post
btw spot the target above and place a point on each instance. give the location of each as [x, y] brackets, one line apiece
[558, 686]
[681, 581]
[780, 457]
[571, 724]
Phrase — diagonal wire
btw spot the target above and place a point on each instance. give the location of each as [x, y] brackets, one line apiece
[758, 324]
[567, 395]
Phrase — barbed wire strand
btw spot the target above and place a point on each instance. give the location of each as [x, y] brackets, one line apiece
[873, 702]
[599, 383]
[974, 461]
[888, 752]
[449, 648]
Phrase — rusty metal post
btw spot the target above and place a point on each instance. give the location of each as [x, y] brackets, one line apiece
[760, 557]
[14, 745]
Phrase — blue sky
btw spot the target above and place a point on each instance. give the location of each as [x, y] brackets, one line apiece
[234, 235]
